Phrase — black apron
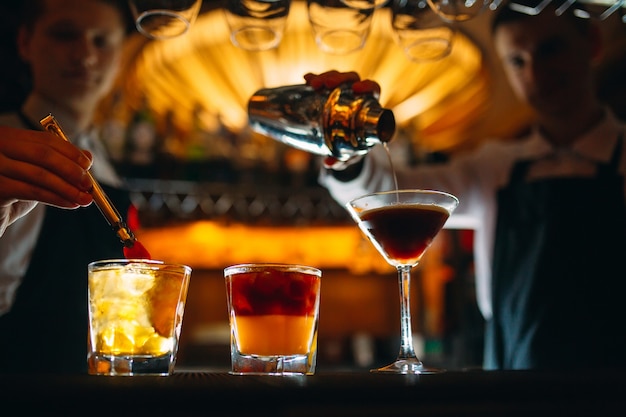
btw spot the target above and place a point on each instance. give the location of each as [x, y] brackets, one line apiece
[46, 328]
[559, 275]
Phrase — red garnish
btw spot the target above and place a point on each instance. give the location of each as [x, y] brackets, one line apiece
[273, 292]
[132, 218]
[137, 251]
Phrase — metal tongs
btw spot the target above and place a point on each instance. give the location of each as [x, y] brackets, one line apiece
[101, 200]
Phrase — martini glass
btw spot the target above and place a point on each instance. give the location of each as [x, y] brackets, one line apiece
[401, 225]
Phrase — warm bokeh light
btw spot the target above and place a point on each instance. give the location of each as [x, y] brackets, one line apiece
[440, 101]
[213, 246]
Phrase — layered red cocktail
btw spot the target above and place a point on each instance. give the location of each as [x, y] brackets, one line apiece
[273, 311]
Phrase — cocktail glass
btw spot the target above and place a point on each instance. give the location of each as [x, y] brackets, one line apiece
[401, 225]
[273, 311]
[136, 309]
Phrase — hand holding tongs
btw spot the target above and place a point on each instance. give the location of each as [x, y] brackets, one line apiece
[101, 200]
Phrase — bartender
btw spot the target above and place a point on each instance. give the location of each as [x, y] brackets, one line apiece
[73, 49]
[549, 209]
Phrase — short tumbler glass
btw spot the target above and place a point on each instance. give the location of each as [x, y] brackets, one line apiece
[135, 316]
[273, 313]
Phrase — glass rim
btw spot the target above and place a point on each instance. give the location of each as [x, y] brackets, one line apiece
[405, 191]
[125, 261]
[252, 266]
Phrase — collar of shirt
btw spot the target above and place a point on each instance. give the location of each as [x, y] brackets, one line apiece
[36, 107]
[578, 160]
[596, 145]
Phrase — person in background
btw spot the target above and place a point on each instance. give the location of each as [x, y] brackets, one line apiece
[549, 210]
[49, 230]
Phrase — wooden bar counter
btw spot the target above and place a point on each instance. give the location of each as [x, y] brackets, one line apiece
[342, 393]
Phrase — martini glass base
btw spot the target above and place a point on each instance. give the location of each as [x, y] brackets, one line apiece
[408, 367]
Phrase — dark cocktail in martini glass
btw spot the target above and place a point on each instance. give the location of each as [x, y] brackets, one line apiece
[401, 225]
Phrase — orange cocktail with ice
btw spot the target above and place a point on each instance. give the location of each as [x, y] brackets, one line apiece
[273, 310]
[135, 316]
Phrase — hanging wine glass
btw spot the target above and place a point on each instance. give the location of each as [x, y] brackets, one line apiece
[164, 19]
[458, 10]
[338, 28]
[422, 34]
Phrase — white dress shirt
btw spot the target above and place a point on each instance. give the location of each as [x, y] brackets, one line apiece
[475, 177]
[19, 240]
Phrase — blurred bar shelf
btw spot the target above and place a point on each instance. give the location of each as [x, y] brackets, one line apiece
[165, 201]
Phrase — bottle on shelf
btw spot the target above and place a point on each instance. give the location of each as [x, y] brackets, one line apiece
[141, 144]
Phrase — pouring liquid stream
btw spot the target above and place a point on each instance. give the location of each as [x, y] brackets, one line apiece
[133, 249]
[393, 170]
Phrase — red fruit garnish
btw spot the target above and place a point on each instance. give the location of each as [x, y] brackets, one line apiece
[298, 290]
[132, 218]
[273, 292]
[137, 251]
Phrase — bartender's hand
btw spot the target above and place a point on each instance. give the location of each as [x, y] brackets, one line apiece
[332, 79]
[40, 167]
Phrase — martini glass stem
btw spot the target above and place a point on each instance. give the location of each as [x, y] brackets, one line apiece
[406, 334]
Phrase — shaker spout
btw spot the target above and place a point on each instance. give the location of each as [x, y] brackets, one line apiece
[378, 123]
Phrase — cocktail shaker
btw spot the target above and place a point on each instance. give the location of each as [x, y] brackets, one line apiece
[337, 123]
